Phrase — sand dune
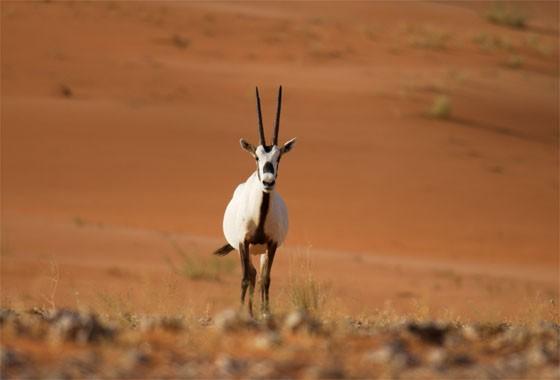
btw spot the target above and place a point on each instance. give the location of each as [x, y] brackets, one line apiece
[127, 116]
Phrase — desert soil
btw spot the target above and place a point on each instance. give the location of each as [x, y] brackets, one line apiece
[119, 145]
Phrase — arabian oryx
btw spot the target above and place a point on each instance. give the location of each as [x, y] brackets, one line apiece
[256, 218]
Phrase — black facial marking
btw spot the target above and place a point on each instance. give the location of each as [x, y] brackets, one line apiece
[267, 148]
[268, 168]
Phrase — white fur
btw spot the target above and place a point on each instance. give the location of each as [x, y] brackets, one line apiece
[242, 213]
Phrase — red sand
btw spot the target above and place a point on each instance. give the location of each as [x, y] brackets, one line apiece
[120, 128]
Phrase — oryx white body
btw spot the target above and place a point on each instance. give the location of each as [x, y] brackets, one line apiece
[244, 212]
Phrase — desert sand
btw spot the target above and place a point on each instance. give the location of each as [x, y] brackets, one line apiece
[120, 125]
[424, 184]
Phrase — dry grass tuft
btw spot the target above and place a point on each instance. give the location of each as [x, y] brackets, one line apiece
[180, 41]
[511, 16]
[201, 268]
[54, 277]
[428, 37]
[441, 107]
[304, 291]
[514, 62]
[490, 42]
[65, 91]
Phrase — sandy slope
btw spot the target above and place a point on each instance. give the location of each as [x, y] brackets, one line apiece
[128, 116]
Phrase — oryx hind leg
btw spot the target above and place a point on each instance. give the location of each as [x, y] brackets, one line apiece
[262, 270]
[266, 266]
[249, 275]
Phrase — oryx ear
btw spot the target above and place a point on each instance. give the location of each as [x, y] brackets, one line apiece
[247, 146]
[288, 146]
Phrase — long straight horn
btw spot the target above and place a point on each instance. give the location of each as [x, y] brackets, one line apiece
[277, 125]
[261, 129]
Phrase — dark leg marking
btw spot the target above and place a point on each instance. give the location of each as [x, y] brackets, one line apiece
[243, 270]
[249, 275]
[261, 282]
[252, 279]
[265, 280]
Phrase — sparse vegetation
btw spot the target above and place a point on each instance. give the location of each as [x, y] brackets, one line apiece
[198, 268]
[180, 41]
[320, 50]
[79, 222]
[441, 107]
[535, 44]
[370, 32]
[514, 62]
[293, 345]
[65, 90]
[428, 37]
[492, 42]
[511, 16]
[53, 278]
[304, 291]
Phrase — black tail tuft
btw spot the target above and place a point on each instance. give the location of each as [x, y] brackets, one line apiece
[222, 251]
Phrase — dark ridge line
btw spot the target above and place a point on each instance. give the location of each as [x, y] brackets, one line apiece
[466, 123]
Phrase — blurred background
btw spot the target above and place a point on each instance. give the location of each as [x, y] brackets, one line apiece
[425, 177]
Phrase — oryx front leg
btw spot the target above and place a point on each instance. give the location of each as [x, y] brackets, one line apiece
[266, 266]
[249, 276]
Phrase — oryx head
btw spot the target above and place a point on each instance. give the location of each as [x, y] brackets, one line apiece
[268, 156]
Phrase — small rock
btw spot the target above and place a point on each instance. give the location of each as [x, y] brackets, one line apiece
[430, 332]
[147, 323]
[226, 320]
[80, 366]
[228, 366]
[138, 356]
[267, 340]
[536, 356]
[470, 333]
[299, 320]
[71, 325]
[11, 359]
[394, 353]
[295, 319]
[188, 371]
[7, 315]
[437, 358]
[205, 321]
[516, 363]
[324, 372]
[460, 360]
[230, 320]
[262, 370]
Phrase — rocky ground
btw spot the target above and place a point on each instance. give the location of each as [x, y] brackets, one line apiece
[67, 343]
